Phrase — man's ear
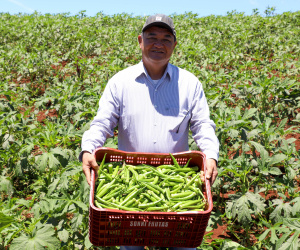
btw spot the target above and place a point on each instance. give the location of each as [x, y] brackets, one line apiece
[175, 44]
[140, 39]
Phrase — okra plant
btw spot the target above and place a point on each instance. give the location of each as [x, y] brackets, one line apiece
[53, 70]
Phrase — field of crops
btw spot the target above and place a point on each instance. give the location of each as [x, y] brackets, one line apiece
[53, 69]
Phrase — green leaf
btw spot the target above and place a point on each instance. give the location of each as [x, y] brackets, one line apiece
[273, 237]
[28, 147]
[82, 205]
[260, 148]
[253, 133]
[111, 143]
[277, 158]
[291, 173]
[243, 212]
[282, 123]
[244, 135]
[45, 206]
[229, 210]
[275, 171]
[59, 151]
[63, 235]
[87, 242]
[292, 223]
[6, 185]
[279, 241]
[76, 221]
[233, 133]
[214, 221]
[256, 200]
[47, 160]
[23, 202]
[296, 206]
[7, 140]
[249, 113]
[231, 245]
[292, 243]
[52, 186]
[38, 240]
[281, 210]
[5, 221]
[264, 235]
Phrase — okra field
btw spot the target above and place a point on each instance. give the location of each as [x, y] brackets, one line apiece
[53, 70]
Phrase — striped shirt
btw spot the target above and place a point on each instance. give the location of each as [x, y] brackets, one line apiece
[153, 118]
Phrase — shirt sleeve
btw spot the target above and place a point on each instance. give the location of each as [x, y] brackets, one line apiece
[103, 124]
[202, 127]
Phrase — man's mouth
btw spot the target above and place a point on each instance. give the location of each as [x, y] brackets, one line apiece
[157, 51]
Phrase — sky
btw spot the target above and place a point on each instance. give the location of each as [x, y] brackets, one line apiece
[145, 8]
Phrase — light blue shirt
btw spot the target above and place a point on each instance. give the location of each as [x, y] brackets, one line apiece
[152, 117]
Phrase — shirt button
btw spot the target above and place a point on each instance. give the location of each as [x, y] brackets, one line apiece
[155, 106]
[154, 141]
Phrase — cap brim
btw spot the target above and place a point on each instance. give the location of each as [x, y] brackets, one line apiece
[159, 24]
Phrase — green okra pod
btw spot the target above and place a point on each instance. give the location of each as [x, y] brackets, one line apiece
[113, 193]
[176, 189]
[162, 208]
[186, 170]
[187, 164]
[175, 161]
[105, 189]
[190, 203]
[130, 196]
[149, 204]
[168, 194]
[115, 205]
[115, 172]
[149, 197]
[180, 195]
[148, 188]
[101, 183]
[134, 173]
[155, 187]
[191, 181]
[108, 176]
[154, 182]
[184, 206]
[151, 193]
[175, 179]
[147, 180]
[176, 205]
[130, 202]
[186, 198]
[102, 163]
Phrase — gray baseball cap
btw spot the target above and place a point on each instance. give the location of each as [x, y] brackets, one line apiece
[160, 20]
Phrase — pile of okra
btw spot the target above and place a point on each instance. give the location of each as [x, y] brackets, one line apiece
[165, 188]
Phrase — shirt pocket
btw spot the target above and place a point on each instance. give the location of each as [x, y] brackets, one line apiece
[181, 122]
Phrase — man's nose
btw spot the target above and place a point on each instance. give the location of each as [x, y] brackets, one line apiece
[158, 44]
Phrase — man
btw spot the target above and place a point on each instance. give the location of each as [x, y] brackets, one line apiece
[154, 103]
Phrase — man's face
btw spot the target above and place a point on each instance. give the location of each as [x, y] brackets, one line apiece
[157, 45]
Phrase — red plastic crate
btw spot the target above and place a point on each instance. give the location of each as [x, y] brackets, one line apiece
[113, 227]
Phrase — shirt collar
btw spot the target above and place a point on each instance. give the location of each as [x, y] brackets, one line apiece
[142, 70]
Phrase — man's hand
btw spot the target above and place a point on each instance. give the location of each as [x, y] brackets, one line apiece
[88, 162]
[211, 171]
